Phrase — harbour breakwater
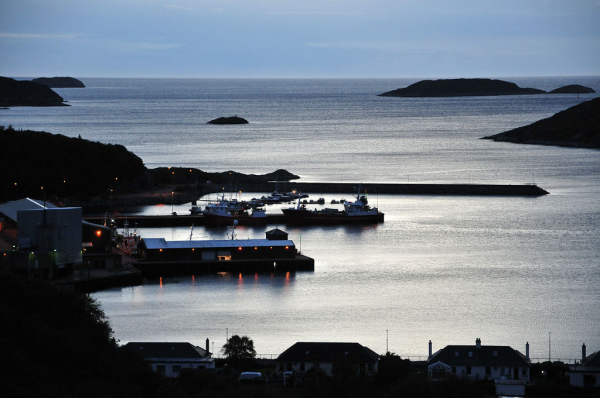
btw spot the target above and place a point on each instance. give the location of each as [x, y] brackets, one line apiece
[413, 189]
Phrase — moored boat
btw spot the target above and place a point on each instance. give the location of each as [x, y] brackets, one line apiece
[354, 212]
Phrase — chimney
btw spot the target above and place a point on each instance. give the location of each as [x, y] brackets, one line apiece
[527, 350]
[207, 351]
[478, 343]
[583, 356]
[430, 349]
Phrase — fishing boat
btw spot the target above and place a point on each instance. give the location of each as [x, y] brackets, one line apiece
[358, 211]
[226, 212]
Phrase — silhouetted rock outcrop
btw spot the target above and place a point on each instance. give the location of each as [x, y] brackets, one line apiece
[229, 120]
[59, 82]
[578, 126]
[25, 93]
[573, 89]
[460, 88]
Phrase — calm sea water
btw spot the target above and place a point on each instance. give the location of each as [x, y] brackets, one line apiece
[446, 269]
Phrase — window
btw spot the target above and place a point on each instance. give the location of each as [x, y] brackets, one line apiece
[176, 368]
[523, 371]
[488, 371]
[456, 354]
[495, 353]
[302, 366]
[454, 369]
[370, 367]
[160, 368]
[470, 354]
[281, 366]
[468, 370]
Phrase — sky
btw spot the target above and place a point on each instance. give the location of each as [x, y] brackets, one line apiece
[301, 38]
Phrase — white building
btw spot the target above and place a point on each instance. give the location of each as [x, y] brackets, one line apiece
[507, 366]
[171, 358]
[302, 357]
[586, 374]
[50, 236]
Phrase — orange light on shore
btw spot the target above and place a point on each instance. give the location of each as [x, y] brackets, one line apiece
[287, 247]
[98, 233]
[240, 248]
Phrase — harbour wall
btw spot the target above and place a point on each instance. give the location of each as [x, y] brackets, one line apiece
[174, 268]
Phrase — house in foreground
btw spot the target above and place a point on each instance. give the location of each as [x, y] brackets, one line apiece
[171, 358]
[329, 357]
[508, 367]
[587, 373]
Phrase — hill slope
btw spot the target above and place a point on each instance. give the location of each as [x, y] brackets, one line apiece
[578, 126]
[25, 93]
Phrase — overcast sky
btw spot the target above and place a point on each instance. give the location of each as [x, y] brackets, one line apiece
[300, 38]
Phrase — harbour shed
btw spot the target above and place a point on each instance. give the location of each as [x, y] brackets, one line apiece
[159, 249]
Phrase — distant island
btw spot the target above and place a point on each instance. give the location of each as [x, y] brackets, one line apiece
[59, 82]
[578, 126]
[573, 89]
[25, 93]
[229, 120]
[460, 88]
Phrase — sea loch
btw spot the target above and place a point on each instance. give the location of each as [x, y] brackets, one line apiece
[508, 270]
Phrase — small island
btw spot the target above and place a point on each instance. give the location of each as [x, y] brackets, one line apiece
[578, 126]
[25, 93]
[229, 120]
[573, 89]
[59, 82]
[460, 88]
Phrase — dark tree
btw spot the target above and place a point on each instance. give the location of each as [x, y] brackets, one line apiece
[239, 351]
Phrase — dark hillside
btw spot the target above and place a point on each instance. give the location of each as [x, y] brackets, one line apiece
[24, 93]
[59, 344]
[578, 126]
[64, 166]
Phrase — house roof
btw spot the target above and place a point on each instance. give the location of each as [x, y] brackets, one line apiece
[276, 232]
[168, 350]
[328, 352]
[470, 355]
[161, 243]
[10, 209]
[592, 360]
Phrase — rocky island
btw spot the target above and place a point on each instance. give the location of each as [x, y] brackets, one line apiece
[573, 89]
[578, 126]
[25, 93]
[229, 120]
[59, 82]
[460, 88]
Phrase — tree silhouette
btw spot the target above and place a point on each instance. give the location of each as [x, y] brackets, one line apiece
[239, 350]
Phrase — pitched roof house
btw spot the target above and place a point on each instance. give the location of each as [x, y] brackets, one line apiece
[329, 357]
[586, 374]
[171, 358]
[479, 362]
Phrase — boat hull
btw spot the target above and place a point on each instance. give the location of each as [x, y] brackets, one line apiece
[295, 216]
[220, 221]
